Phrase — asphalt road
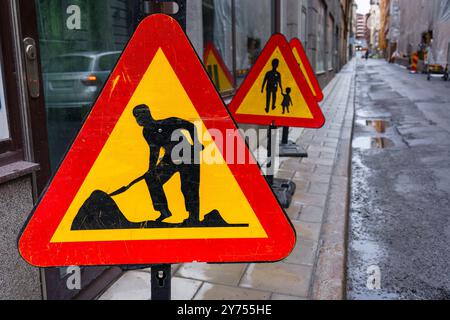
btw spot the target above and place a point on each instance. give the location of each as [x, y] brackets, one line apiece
[400, 213]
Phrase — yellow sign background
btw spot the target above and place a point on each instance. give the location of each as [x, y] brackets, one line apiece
[125, 157]
[224, 83]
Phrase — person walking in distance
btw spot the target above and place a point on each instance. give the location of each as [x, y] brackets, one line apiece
[272, 81]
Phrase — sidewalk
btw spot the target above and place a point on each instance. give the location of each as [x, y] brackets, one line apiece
[316, 268]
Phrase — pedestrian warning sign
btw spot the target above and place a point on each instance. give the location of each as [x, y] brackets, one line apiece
[217, 69]
[307, 70]
[275, 91]
[148, 181]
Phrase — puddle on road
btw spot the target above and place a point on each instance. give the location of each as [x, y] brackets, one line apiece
[367, 143]
[380, 126]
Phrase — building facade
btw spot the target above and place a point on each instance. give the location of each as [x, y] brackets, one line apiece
[385, 15]
[42, 42]
[362, 30]
[374, 26]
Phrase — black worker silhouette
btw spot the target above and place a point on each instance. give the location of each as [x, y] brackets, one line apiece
[100, 212]
[272, 81]
[158, 135]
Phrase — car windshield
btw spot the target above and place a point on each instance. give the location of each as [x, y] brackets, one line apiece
[107, 62]
[69, 64]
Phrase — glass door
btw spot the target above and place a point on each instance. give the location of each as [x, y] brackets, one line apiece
[80, 42]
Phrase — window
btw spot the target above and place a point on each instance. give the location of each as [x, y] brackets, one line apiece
[303, 25]
[68, 63]
[254, 26]
[330, 37]
[107, 62]
[320, 46]
[11, 145]
[4, 127]
[78, 51]
[217, 31]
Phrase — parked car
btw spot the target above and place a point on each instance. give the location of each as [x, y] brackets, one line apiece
[74, 80]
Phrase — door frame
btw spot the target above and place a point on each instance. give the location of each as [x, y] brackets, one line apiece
[22, 22]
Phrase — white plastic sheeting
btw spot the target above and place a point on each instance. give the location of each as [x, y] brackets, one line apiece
[223, 31]
[441, 34]
[444, 11]
[410, 19]
[253, 21]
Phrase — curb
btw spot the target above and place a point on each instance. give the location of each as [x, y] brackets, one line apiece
[329, 277]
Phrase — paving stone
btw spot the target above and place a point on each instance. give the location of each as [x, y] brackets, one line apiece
[133, 285]
[284, 297]
[294, 210]
[301, 186]
[312, 177]
[330, 144]
[310, 199]
[228, 274]
[285, 174]
[184, 289]
[282, 278]
[321, 161]
[304, 253]
[312, 214]
[307, 230]
[318, 188]
[321, 149]
[328, 155]
[321, 169]
[220, 292]
[291, 165]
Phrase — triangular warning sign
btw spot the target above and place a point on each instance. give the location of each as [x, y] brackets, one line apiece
[307, 70]
[275, 91]
[217, 69]
[148, 179]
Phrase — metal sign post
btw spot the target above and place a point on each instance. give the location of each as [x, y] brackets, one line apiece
[283, 189]
[161, 282]
[161, 275]
[289, 148]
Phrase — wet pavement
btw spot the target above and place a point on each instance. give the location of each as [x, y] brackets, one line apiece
[400, 190]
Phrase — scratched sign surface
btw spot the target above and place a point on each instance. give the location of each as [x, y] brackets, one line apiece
[147, 180]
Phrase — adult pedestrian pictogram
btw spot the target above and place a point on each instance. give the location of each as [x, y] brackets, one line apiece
[146, 181]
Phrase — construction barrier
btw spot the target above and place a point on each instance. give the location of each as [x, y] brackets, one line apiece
[414, 62]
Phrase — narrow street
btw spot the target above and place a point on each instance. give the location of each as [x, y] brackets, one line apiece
[399, 215]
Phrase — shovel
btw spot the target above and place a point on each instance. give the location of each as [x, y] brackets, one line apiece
[126, 188]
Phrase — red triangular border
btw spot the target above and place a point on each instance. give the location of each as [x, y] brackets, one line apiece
[277, 40]
[156, 31]
[210, 47]
[297, 44]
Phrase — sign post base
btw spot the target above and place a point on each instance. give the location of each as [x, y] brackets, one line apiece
[284, 190]
[292, 150]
